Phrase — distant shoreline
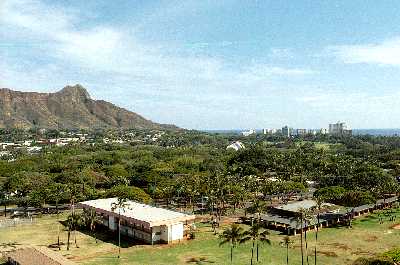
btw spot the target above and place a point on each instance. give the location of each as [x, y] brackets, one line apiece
[375, 132]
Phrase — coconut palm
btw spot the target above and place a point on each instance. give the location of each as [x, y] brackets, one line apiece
[287, 242]
[73, 221]
[91, 219]
[299, 220]
[308, 218]
[231, 235]
[317, 210]
[121, 205]
[256, 234]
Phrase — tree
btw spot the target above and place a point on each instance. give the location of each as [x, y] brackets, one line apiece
[73, 221]
[121, 205]
[4, 199]
[57, 192]
[287, 242]
[129, 192]
[256, 234]
[308, 219]
[231, 235]
[91, 219]
[317, 210]
[299, 220]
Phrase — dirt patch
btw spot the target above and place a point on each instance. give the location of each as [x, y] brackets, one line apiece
[396, 226]
[328, 253]
[362, 252]
[371, 238]
[339, 246]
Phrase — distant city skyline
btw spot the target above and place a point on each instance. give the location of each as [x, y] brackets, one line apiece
[213, 64]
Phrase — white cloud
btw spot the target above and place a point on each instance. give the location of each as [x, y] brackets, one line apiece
[116, 64]
[384, 53]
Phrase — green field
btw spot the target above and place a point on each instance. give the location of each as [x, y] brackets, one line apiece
[339, 245]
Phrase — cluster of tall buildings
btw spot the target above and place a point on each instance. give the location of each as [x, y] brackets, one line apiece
[336, 129]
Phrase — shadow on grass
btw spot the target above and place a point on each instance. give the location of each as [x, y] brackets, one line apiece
[199, 260]
[103, 234]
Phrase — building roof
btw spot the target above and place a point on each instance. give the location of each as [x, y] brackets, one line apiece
[304, 204]
[153, 216]
[37, 256]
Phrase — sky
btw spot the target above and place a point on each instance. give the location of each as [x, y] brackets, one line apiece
[209, 64]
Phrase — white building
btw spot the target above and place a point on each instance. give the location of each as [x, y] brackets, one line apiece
[339, 128]
[269, 131]
[249, 132]
[236, 146]
[143, 222]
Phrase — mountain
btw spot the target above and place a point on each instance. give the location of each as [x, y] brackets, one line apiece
[69, 108]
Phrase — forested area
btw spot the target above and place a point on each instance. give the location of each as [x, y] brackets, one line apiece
[193, 167]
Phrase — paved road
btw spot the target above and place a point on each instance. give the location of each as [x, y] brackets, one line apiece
[34, 209]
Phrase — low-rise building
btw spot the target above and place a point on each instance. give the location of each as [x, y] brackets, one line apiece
[236, 146]
[143, 222]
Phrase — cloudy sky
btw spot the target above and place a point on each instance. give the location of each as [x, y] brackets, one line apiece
[213, 64]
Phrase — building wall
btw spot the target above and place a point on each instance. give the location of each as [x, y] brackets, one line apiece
[111, 223]
[136, 233]
[176, 232]
[156, 234]
[164, 236]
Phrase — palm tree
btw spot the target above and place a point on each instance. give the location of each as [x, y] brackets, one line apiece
[73, 221]
[257, 207]
[256, 234]
[286, 242]
[91, 220]
[308, 218]
[4, 200]
[318, 209]
[57, 191]
[299, 219]
[231, 235]
[121, 204]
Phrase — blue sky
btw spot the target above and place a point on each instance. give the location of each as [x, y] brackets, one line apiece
[213, 64]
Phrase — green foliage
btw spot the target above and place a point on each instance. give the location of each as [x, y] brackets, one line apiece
[373, 261]
[393, 254]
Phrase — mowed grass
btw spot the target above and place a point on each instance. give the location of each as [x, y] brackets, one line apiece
[339, 245]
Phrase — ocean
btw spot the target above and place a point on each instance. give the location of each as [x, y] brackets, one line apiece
[380, 132]
[376, 132]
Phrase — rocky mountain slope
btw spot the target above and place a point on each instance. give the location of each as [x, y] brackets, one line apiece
[69, 108]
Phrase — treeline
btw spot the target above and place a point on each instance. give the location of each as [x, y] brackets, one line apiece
[190, 166]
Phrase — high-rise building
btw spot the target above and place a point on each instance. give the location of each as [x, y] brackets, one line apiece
[269, 131]
[339, 128]
[286, 131]
[301, 131]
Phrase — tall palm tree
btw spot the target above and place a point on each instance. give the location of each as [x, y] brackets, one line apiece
[308, 219]
[256, 234]
[258, 208]
[73, 221]
[318, 210]
[122, 205]
[91, 220]
[287, 242]
[299, 220]
[231, 235]
[4, 200]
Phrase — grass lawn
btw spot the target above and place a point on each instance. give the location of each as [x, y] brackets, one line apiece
[335, 246]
